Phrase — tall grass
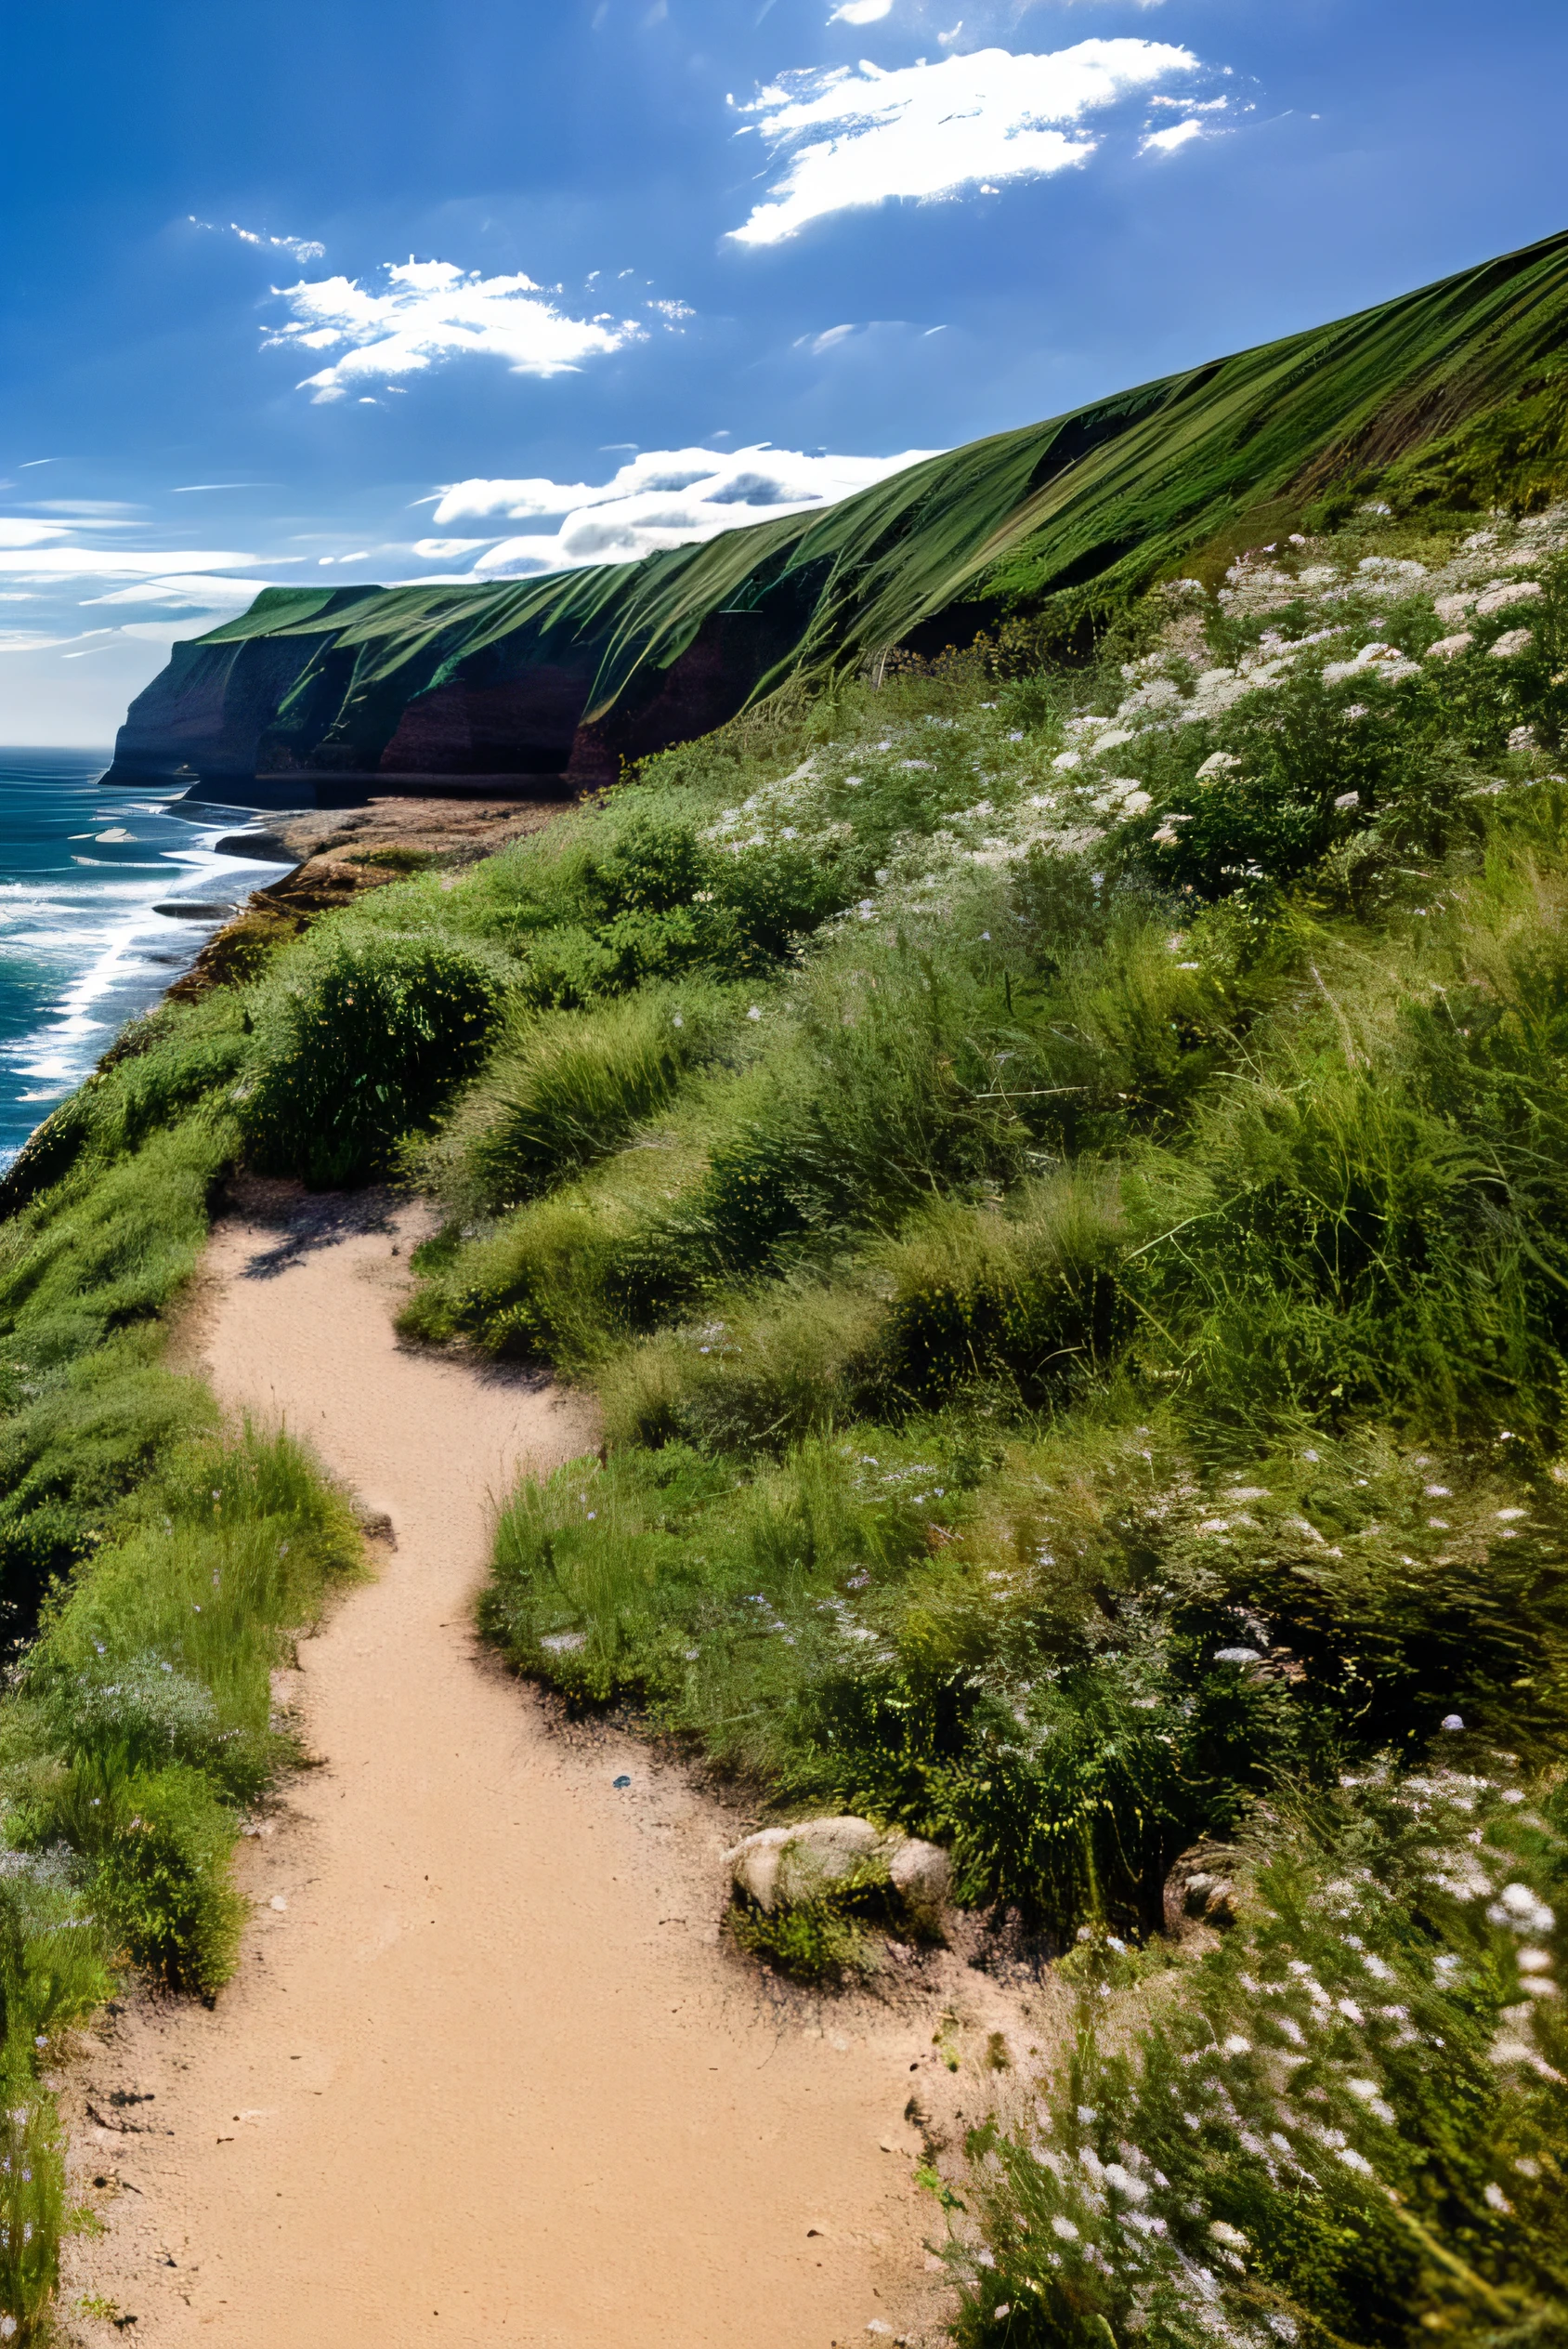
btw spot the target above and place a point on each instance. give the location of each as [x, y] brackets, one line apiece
[151, 1572]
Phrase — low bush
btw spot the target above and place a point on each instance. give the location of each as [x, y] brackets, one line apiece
[362, 1038]
[159, 1845]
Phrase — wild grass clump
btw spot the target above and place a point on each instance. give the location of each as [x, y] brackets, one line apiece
[147, 1689]
[820, 1941]
[563, 1089]
[362, 1039]
[1349, 2126]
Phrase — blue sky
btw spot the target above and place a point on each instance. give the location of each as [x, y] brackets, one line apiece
[347, 291]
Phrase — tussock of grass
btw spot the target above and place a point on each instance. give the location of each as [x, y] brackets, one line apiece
[362, 1037]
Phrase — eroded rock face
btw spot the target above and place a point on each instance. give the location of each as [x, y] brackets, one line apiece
[792, 1864]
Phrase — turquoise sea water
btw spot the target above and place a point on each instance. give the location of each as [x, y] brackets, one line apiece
[82, 946]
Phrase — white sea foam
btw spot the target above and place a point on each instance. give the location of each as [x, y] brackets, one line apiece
[82, 949]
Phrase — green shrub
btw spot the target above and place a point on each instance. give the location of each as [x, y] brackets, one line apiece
[818, 1941]
[364, 1038]
[1349, 2127]
[160, 1843]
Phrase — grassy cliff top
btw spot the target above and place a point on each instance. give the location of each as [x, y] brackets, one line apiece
[1082, 508]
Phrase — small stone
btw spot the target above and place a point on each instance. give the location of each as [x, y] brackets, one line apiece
[1200, 1889]
[921, 1874]
[1453, 1721]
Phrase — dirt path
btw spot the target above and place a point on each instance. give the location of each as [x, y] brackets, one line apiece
[486, 2075]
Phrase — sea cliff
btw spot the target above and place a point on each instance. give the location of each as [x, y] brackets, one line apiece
[1442, 396]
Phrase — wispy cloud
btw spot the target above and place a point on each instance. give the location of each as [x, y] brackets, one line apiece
[301, 249]
[49, 563]
[1165, 142]
[854, 135]
[662, 498]
[40, 640]
[17, 534]
[982, 18]
[196, 589]
[432, 311]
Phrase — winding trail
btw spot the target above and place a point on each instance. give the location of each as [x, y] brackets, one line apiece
[486, 2075]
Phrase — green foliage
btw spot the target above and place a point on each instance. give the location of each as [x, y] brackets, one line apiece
[363, 1038]
[150, 1687]
[563, 1089]
[160, 1850]
[1349, 2129]
[1514, 455]
[820, 1940]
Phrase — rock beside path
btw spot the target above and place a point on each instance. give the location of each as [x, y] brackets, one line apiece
[786, 1865]
[1200, 1888]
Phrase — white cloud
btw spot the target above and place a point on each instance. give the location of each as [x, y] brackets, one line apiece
[35, 640]
[184, 589]
[431, 311]
[662, 498]
[861, 12]
[48, 563]
[857, 135]
[446, 550]
[19, 533]
[300, 249]
[1165, 142]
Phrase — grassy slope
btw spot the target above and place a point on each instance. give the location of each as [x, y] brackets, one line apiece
[1084, 1364]
[1084, 506]
[1056, 1175]
[156, 1569]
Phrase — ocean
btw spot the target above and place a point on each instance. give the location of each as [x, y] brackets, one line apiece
[84, 946]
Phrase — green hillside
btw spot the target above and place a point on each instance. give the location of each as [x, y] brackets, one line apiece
[1053, 1166]
[1444, 397]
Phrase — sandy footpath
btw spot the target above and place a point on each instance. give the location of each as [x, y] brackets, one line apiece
[486, 2074]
